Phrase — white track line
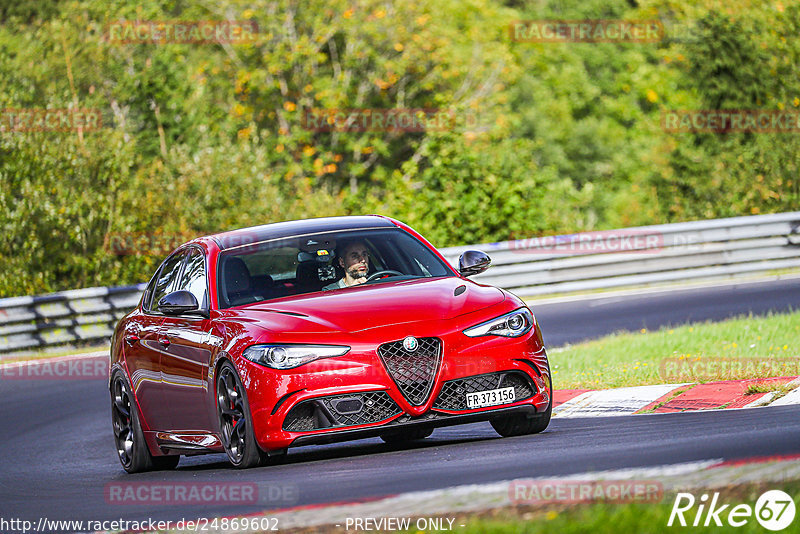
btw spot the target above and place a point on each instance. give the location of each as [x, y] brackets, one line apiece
[764, 400]
[609, 402]
[793, 397]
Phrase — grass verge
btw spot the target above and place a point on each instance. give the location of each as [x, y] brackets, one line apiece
[740, 348]
[631, 518]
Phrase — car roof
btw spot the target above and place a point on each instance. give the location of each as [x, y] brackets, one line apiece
[257, 234]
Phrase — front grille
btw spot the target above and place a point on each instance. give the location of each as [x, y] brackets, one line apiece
[319, 413]
[453, 393]
[413, 372]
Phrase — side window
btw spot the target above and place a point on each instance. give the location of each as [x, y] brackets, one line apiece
[148, 294]
[167, 279]
[194, 277]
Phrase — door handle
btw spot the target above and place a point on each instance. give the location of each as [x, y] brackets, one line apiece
[164, 340]
[131, 338]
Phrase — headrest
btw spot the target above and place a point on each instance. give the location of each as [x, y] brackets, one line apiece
[307, 273]
[237, 276]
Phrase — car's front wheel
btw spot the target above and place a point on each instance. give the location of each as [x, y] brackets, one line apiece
[235, 421]
[521, 424]
[132, 449]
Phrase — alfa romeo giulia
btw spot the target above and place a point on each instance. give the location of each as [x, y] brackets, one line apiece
[306, 332]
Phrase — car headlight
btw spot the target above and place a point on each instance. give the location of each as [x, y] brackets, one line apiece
[289, 356]
[512, 324]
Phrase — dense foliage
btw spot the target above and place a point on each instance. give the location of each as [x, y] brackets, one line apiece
[544, 138]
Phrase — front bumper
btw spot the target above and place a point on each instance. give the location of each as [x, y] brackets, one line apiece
[434, 420]
[277, 398]
[367, 407]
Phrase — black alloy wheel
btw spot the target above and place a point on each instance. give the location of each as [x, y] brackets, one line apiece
[235, 422]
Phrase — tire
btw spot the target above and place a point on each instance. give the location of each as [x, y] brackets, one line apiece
[520, 424]
[132, 448]
[235, 421]
[412, 434]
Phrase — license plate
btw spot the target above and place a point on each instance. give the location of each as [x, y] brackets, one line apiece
[490, 397]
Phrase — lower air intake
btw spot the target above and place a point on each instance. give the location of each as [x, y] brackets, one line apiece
[341, 410]
[453, 395]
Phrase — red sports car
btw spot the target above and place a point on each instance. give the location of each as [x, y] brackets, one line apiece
[315, 331]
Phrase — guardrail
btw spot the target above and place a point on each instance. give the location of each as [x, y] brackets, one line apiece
[77, 316]
[717, 248]
[644, 255]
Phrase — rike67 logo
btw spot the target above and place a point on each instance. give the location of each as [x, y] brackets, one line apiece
[774, 510]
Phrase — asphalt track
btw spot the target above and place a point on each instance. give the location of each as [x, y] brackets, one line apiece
[57, 458]
[569, 322]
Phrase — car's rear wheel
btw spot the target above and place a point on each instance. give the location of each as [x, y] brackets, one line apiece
[235, 421]
[406, 435]
[521, 424]
[132, 449]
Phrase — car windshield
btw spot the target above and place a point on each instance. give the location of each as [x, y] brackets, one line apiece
[320, 262]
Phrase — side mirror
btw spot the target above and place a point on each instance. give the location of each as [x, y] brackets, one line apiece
[473, 262]
[178, 302]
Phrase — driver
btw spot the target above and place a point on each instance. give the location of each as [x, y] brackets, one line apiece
[354, 259]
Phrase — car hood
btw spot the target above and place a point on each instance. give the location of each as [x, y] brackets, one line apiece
[370, 306]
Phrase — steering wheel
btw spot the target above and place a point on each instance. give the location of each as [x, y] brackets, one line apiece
[383, 274]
